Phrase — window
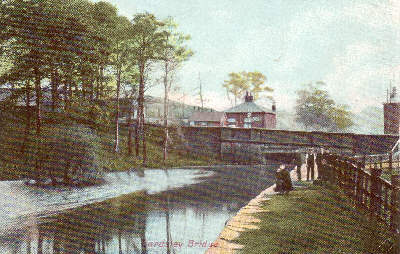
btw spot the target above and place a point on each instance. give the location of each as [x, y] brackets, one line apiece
[231, 120]
[247, 125]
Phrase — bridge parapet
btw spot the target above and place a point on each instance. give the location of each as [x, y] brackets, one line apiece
[242, 144]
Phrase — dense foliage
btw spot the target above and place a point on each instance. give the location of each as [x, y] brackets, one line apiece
[70, 60]
[316, 110]
[241, 82]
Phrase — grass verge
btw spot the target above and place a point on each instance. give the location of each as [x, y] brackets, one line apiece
[316, 219]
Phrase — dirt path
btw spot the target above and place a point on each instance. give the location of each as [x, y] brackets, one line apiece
[245, 219]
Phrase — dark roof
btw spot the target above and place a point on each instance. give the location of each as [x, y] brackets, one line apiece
[206, 116]
[247, 107]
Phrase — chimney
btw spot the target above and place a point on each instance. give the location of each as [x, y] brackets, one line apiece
[248, 97]
[273, 107]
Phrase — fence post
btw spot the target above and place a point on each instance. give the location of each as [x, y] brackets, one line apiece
[364, 161]
[335, 170]
[394, 218]
[353, 181]
[357, 181]
[375, 193]
[391, 162]
[360, 185]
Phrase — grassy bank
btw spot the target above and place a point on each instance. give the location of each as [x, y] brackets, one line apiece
[315, 219]
[14, 162]
[176, 156]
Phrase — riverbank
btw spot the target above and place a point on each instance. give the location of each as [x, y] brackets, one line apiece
[22, 205]
[310, 219]
[18, 148]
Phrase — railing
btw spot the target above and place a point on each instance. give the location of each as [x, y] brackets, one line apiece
[367, 189]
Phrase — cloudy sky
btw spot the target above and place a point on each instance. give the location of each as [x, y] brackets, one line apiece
[352, 45]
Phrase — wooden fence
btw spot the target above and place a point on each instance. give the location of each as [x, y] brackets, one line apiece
[367, 189]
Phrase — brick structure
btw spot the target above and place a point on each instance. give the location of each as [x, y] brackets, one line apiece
[391, 116]
[208, 119]
[251, 115]
[391, 112]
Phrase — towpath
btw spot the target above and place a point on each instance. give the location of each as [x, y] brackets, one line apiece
[245, 219]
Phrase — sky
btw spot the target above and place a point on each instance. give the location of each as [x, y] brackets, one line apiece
[351, 45]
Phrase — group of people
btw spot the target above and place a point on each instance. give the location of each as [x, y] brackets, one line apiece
[311, 159]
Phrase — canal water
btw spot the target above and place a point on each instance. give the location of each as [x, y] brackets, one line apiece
[159, 211]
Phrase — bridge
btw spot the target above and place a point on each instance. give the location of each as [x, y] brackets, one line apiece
[257, 145]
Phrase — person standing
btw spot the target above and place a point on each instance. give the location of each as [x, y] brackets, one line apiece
[318, 162]
[298, 163]
[310, 166]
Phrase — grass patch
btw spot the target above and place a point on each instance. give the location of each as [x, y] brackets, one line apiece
[317, 219]
[176, 156]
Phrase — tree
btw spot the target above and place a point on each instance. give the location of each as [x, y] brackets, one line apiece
[173, 54]
[148, 43]
[55, 40]
[200, 93]
[241, 82]
[315, 109]
[35, 33]
[120, 60]
[129, 83]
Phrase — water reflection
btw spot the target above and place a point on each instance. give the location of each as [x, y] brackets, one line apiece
[184, 220]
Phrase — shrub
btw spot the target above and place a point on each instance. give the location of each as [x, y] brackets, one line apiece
[67, 155]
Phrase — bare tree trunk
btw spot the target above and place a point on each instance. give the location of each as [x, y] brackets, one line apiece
[165, 150]
[140, 112]
[137, 133]
[91, 89]
[129, 122]
[28, 116]
[38, 120]
[96, 90]
[100, 78]
[70, 84]
[65, 91]
[101, 84]
[201, 93]
[116, 144]
[54, 89]
[76, 91]
[144, 151]
[84, 81]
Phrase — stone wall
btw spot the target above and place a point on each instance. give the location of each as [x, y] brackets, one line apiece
[202, 140]
[252, 145]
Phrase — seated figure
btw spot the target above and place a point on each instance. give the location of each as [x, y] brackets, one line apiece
[283, 181]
